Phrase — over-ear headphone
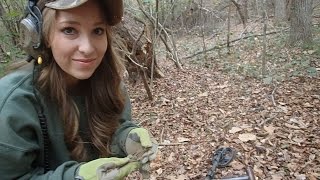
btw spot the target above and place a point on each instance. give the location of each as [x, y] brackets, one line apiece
[31, 30]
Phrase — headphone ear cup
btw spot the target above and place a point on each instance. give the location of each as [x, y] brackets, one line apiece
[30, 32]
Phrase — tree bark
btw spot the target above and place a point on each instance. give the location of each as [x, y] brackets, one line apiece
[280, 11]
[301, 21]
[264, 54]
[242, 8]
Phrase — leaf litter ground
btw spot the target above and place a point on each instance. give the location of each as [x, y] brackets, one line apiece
[199, 109]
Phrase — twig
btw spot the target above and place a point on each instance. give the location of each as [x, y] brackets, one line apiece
[172, 144]
[130, 58]
[235, 40]
[304, 166]
[272, 96]
[141, 122]
[161, 135]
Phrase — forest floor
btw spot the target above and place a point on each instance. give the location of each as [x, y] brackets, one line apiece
[274, 128]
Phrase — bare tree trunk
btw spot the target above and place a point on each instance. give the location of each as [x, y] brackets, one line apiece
[243, 11]
[254, 5]
[301, 21]
[280, 11]
[288, 9]
[264, 54]
[154, 44]
[229, 24]
[202, 30]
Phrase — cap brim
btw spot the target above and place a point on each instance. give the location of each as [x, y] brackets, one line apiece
[114, 8]
[65, 4]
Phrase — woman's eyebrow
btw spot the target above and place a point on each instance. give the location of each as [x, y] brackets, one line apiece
[78, 23]
[69, 22]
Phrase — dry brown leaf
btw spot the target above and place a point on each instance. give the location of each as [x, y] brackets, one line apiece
[234, 130]
[300, 177]
[257, 170]
[256, 91]
[308, 105]
[277, 177]
[293, 166]
[180, 99]
[283, 109]
[298, 122]
[270, 129]
[159, 171]
[237, 165]
[221, 110]
[247, 137]
[182, 139]
[182, 177]
[291, 126]
[223, 86]
[205, 94]
[170, 158]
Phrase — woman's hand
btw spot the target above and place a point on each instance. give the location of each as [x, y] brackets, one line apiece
[107, 168]
[143, 147]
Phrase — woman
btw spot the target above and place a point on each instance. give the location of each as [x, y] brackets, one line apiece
[68, 116]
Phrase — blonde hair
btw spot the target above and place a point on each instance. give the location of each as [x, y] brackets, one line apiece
[104, 100]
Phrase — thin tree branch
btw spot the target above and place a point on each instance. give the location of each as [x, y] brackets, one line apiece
[235, 40]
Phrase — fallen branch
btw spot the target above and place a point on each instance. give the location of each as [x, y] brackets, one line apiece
[235, 40]
[272, 96]
[171, 144]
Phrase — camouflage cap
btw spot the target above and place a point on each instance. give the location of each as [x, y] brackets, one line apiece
[114, 8]
[65, 4]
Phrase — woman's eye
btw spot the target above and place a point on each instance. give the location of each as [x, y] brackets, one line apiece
[99, 31]
[69, 31]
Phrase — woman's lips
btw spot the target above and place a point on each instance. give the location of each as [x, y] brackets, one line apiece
[84, 60]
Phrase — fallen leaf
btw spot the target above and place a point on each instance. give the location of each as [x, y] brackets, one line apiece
[283, 109]
[256, 91]
[237, 165]
[182, 139]
[293, 166]
[308, 105]
[247, 137]
[234, 130]
[299, 140]
[301, 177]
[270, 129]
[223, 86]
[159, 171]
[291, 126]
[170, 158]
[221, 110]
[205, 94]
[180, 99]
[182, 177]
[298, 122]
[276, 177]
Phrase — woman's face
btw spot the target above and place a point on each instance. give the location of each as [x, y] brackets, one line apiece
[78, 40]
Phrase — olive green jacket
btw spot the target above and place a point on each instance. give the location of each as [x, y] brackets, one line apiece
[21, 140]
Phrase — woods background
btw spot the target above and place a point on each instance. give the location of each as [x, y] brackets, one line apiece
[214, 28]
[211, 73]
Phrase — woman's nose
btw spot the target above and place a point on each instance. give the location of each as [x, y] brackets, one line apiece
[86, 45]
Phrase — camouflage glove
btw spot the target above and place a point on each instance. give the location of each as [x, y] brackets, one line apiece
[143, 147]
[107, 169]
